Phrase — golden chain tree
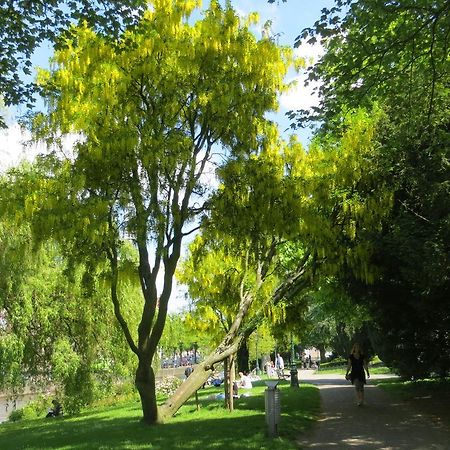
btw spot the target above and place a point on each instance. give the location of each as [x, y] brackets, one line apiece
[151, 109]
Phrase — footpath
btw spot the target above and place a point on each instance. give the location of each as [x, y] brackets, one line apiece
[382, 423]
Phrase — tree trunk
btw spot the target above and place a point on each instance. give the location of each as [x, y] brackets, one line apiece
[322, 350]
[242, 358]
[197, 378]
[145, 384]
[229, 382]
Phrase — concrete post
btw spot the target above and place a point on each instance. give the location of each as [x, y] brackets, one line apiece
[273, 407]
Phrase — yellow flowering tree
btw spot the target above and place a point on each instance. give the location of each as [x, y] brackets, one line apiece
[151, 110]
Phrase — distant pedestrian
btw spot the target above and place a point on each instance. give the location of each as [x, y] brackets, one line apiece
[356, 368]
[279, 365]
[188, 371]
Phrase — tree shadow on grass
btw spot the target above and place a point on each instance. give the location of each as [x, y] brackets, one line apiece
[121, 433]
[121, 428]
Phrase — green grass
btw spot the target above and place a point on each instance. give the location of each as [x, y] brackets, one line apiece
[342, 369]
[336, 362]
[212, 427]
[332, 370]
[338, 366]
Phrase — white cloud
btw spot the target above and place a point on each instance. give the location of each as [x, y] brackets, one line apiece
[311, 52]
[15, 147]
[301, 96]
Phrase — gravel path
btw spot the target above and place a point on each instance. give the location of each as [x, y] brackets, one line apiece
[381, 423]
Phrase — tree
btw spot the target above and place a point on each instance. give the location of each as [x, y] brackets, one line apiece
[323, 205]
[230, 270]
[396, 54]
[333, 321]
[50, 333]
[393, 52]
[151, 108]
[408, 300]
[24, 26]
[222, 278]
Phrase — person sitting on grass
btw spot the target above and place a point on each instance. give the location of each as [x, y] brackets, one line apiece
[56, 410]
[217, 379]
[245, 382]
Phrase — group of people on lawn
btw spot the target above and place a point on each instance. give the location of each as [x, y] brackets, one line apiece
[356, 373]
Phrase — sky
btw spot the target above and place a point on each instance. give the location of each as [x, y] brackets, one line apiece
[287, 21]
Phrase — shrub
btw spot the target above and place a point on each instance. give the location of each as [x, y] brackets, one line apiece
[35, 409]
[336, 362]
[167, 386]
[16, 415]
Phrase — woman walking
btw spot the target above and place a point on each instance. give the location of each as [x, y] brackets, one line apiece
[357, 366]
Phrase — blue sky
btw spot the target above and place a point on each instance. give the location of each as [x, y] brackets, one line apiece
[288, 18]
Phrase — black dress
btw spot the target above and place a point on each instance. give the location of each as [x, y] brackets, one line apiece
[357, 372]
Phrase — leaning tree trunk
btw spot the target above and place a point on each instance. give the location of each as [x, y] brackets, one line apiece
[198, 377]
[232, 341]
[228, 347]
[145, 384]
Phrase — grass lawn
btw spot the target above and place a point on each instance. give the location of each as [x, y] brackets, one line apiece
[342, 369]
[338, 366]
[212, 427]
